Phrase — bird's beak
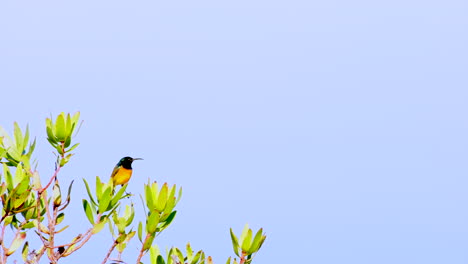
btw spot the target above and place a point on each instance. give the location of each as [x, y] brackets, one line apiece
[137, 159]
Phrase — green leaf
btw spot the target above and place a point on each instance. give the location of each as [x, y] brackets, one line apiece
[244, 233]
[67, 142]
[8, 177]
[119, 194]
[76, 117]
[160, 260]
[69, 126]
[26, 137]
[18, 137]
[25, 251]
[130, 235]
[88, 211]
[261, 242]
[154, 253]
[73, 147]
[256, 242]
[170, 204]
[28, 225]
[31, 148]
[120, 223]
[30, 203]
[180, 195]
[148, 242]
[98, 188]
[140, 231]
[152, 222]
[20, 177]
[56, 195]
[25, 161]
[189, 252]
[63, 228]
[41, 226]
[99, 226]
[121, 246]
[18, 202]
[22, 209]
[60, 128]
[162, 198]
[60, 218]
[105, 200]
[8, 220]
[247, 241]
[235, 243]
[155, 193]
[23, 181]
[2, 150]
[89, 192]
[2, 187]
[50, 133]
[111, 228]
[170, 253]
[168, 221]
[149, 197]
[68, 195]
[197, 257]
[179, 255]
[129, 215]
[121, 238]
[228, 260]
[13, 156]
[171, 200]
[30, 213]
[19, 238]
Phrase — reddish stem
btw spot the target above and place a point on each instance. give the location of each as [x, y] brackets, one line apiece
[242, 258]
[142, 249]
[109, 252]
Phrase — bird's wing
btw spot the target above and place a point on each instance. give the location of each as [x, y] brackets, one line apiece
[114, 172]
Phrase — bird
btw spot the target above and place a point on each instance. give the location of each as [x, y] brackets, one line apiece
[123, 171]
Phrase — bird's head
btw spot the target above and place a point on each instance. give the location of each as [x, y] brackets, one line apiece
[126, 162]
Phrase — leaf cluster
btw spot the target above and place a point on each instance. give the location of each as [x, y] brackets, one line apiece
[30, 207]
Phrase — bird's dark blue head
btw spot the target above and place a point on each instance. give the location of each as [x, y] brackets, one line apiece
[126, 162]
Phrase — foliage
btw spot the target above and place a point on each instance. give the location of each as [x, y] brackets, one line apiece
[35, 212]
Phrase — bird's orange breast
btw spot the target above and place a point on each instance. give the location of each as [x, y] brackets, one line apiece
[122, 176]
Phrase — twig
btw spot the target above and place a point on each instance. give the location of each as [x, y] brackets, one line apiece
[51, 179]
[4, 256]
[86, 237]
[56, 170]
[142, 249]
[80, 237]
[109, 252]
[38, 209]
[242, 258]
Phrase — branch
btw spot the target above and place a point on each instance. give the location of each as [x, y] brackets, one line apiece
[4, 256]
[49, 244]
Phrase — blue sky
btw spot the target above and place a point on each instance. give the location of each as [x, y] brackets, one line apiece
[340, 127]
